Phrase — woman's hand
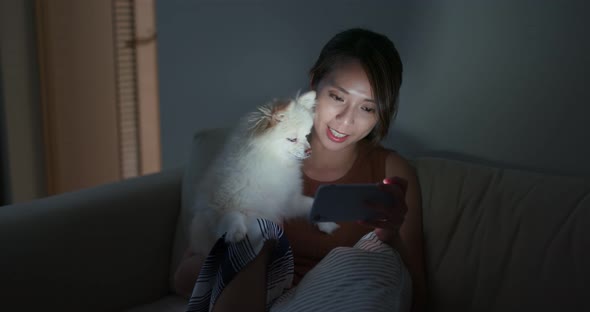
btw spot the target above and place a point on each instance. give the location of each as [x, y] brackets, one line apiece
[392, 217]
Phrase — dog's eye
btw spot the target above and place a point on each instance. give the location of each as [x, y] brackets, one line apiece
[292, 140]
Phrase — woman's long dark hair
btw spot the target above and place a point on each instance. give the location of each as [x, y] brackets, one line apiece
[381, 62]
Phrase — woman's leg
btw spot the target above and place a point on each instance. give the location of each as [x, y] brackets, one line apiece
[247, 290]
[187, 273]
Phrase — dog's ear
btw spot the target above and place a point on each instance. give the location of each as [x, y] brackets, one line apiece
[268, 116]
[259, 120]
[307, 100]
[279, 111]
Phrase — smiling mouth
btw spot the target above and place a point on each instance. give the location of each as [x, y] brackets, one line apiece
[336, 136]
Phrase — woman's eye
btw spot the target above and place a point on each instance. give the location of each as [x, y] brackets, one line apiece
[368, 109]
[336, 98]
[292, 140]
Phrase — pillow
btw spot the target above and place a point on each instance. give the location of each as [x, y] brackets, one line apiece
[504, 239]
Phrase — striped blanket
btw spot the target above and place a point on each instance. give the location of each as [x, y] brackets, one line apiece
[367, 277]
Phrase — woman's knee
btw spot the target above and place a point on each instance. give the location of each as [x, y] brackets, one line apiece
[187, 273]
[247, 290]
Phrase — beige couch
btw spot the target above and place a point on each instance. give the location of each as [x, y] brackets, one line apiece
[495, 240]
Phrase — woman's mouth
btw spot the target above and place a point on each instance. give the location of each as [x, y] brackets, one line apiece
[336, 136]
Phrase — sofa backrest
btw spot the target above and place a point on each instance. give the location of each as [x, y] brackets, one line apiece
[495, 239]
[504, 240]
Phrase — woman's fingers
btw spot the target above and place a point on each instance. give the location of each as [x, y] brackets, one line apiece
[400, 182]
[381, 211]
[396, 211]
[398, 191]
[389, 217]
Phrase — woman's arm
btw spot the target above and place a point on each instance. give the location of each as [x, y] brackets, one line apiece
[410, 241]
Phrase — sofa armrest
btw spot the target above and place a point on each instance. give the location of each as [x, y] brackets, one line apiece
[104, 248]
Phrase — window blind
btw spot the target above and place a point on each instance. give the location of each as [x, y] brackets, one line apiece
[126, 81]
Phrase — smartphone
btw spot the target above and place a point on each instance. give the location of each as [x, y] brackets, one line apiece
[347, 202]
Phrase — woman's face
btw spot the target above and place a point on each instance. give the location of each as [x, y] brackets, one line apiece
[345, 111]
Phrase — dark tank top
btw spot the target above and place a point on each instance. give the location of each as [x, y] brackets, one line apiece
[309, 244]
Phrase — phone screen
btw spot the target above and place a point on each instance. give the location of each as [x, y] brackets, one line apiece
[347, 202]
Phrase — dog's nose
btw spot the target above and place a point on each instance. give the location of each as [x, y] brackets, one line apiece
[308, 152]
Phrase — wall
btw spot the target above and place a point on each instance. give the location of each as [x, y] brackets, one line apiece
[4, 189]
[498, 82]
[503, 82]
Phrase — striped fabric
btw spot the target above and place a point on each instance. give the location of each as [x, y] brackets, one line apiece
[226, 260]
[369, 276]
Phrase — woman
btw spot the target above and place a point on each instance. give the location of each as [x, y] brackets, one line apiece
[357, 78]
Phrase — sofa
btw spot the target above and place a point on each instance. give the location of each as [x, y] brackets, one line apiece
[496, 239]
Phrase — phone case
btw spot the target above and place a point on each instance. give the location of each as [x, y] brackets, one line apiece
[346, 202]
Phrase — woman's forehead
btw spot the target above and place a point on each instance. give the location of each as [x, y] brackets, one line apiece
[350, 78]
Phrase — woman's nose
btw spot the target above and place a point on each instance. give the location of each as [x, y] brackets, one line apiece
[346, 115]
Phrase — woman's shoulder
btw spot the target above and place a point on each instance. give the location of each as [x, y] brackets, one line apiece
[391, 162]
[397, 165]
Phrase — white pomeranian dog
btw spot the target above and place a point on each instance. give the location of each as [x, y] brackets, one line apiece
[256, 175]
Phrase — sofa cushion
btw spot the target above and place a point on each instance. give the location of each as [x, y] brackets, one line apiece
[170, 303]
[205, 146]
[504, 240]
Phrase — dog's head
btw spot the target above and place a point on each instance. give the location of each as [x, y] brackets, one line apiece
[283, 126]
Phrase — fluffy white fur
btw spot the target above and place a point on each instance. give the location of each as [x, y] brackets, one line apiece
[257, 174]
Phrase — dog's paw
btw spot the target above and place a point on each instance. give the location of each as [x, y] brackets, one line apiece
[328, 227]
[233, 225]
[236, 233]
